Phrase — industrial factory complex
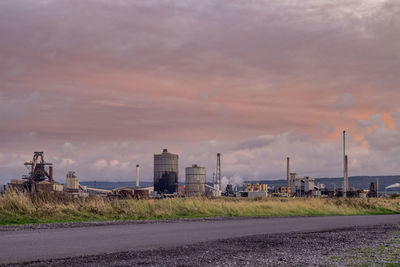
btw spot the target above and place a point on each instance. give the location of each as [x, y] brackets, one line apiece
[166, 173]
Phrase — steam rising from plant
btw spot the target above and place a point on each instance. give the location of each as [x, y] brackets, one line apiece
[393, 186]
[235, 180]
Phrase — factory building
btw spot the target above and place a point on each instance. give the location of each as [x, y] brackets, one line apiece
[256, 187]
[308, 183]
[282, 190]
[39, 179]
[72, 182]
[373, 189]
[295, 183]
[256, 190]
[166, 172]
[195, 181]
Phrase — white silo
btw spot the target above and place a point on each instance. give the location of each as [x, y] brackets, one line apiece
[195, 181]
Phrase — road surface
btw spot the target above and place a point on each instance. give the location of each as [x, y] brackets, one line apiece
[44, 244]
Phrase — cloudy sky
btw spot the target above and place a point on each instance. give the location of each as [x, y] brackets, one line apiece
[101, 86]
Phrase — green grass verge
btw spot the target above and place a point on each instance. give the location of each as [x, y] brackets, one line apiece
[46, 208]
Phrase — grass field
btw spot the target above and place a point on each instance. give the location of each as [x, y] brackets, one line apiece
[46, 208]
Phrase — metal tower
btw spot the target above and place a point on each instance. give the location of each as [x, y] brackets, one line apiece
[39, 169]
[219, 178]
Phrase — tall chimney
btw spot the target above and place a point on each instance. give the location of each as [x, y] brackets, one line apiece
[288, 176]
[344, 165]
[219, 178]
[137, 175]
[51, 173]
[377, 187]
[347, 173]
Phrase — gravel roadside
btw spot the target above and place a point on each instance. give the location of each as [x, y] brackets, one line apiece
[43, 226]
[328, 248]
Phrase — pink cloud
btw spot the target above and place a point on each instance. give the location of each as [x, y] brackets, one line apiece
[157, 74]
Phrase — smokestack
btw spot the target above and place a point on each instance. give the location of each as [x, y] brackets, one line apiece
[344, 165]
[51, 173]
[137, 175]
[219, 178]
[377, 187]
[288, 176]
[347, 173]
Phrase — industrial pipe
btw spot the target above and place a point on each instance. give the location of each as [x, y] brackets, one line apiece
[344, 165]
[51, 173]
[347, 173]
[137, 175]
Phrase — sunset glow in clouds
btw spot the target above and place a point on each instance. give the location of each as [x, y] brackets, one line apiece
[101, 86]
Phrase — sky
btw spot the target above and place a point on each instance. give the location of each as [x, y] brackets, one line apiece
[101, 86]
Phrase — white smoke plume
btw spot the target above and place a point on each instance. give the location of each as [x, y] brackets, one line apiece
[393, 186]
[235, 180]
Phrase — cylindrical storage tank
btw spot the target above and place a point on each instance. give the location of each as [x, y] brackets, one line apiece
[195, 181]
[72, 181]
[166, 172]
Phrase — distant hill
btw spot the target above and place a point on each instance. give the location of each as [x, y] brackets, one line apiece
[359, 182]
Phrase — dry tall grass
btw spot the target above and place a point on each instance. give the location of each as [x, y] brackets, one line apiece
[21, 208]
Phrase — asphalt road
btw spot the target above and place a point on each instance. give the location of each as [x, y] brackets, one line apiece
[43, 244]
